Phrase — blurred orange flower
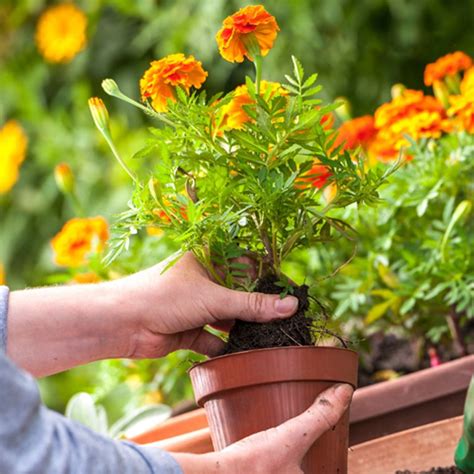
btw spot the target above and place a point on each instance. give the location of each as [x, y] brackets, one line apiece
[79, 238]
[248, 24]
[356, 132]
[159, 82]
[61, 33]
[2, 274]
[87, 277]
[233, 116]
[408, 103]
[446, 66]
[316, 177]
[13, 145]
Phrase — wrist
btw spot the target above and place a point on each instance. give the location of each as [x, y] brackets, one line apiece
[209, 463]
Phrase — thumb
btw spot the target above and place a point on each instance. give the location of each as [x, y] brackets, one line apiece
[257, 307]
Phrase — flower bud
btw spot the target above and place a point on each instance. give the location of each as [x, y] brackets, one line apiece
[64, 178]
[99, 114]
[111, 87]
[343, 112]
[397, 90]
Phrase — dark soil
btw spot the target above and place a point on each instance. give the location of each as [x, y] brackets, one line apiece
[434, 470]
[293, 331]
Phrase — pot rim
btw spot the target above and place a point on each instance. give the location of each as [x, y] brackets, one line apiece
[268, 349]
[275, 365]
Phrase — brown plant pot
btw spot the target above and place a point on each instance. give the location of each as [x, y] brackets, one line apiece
[413, 400]
[251, 391]
[417, 449]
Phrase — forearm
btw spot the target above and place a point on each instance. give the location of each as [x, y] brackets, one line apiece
[53, 329]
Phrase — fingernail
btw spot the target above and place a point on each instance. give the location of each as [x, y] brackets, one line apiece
[344, 392]
[286, 306]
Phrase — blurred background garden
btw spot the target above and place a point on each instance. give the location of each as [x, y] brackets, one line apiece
[413, 274]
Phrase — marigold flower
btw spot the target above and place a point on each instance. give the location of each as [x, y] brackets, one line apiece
[87, 277]
[356, 132]
[316, 177]
[13, 145]
[410, 102]
[64, 178]
[233, 116]
[446, 66]
[79, 238]
[238, 30]
[467, 82]
[462, 110]
[61, 33]
[159, 82]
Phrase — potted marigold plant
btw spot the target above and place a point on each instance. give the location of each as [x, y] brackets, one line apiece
[250, 175]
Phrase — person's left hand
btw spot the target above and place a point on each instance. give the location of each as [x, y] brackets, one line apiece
[173, 307]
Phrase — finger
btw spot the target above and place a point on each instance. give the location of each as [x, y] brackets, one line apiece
[203, 342]
[258, 307]
[224, 326]
[321, 416]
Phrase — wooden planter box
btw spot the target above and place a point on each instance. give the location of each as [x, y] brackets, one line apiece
[413, 400]
[416, 449]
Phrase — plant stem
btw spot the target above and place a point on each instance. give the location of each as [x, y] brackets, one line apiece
[258, 72]
[453, 324]
[119, 159]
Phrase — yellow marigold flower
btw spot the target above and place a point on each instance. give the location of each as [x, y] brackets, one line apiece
[13, 144]
[240, 29]
[408, 103]
[233, 116]
[462, 110]
[467, 82]
[61, 33]
[79, 238]
[159, 82]
[448, 65]
[356, 132]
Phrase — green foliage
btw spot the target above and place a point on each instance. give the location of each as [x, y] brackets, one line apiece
[223, 194]
[415, 264]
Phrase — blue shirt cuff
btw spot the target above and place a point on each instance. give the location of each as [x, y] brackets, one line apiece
[4, 292]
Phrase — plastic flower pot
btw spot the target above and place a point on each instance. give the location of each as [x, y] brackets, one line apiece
[251, 391]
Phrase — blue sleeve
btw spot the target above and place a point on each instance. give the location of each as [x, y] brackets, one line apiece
[35, 440]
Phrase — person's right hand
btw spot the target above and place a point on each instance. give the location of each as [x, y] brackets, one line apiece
[279, 450]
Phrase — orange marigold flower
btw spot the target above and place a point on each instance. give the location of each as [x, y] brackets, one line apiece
[467, 82]
[79, 238]
[446, 66]
[462, 110]
[356, 132]
[248, 24]
[316, 177]
[159, 82]
[410, 102]
[61, 33]
[233, 116]
[13, 145]
[87, 277]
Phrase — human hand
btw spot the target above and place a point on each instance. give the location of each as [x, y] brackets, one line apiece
[277, 450]
[173, 307]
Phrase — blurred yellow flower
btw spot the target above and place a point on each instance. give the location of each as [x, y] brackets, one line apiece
[159, 82]
[462, 110]
[2, 274]
[61, 33]
[79, 238]
[13, 144]
[87, 277]
[252, 23]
